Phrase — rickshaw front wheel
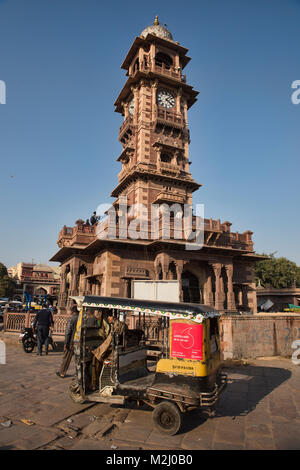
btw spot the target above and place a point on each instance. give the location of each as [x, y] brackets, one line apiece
[167, 417]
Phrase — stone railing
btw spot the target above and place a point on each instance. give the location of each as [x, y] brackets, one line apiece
[128, 123]
[161, 68]
[14, 322]
[80, 233]
[241, 241]
[166, 117]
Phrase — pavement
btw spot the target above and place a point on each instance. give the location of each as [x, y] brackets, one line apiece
[260, 409]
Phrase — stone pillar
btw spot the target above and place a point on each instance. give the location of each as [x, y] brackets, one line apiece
[230, 294]
[127, 287]
[245, 296]
[219, 303]
[63, 278]
[125, 107]
[98, 288]
[240, 296]
[179, 269]
[222, 290]
[178, 100]
[154, 85]
[61, 305]
[208, 293]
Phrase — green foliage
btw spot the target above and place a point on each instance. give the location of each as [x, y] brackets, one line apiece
[7, 285]
[3, 270]
[277, 272]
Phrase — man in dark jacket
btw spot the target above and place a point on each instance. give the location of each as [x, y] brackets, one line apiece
[94, 218]
[68, 343]
[42, 323]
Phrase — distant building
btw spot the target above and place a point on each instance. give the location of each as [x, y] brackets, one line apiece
[276, 300]
[36, 279]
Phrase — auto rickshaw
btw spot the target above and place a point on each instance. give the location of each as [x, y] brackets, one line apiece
[184, 338]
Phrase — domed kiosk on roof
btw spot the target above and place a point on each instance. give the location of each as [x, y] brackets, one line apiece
[158, 30]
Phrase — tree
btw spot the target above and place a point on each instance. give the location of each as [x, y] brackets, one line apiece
[3, 270]
[277, 272]
[7, 285]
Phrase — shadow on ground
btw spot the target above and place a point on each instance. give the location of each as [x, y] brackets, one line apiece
[247, 387]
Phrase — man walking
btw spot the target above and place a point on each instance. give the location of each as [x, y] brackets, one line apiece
[42, 323]
[68, 343]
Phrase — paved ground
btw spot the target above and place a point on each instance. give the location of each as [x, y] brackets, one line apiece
[259, 410]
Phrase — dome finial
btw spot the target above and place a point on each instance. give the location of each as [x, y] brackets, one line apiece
[156, 22]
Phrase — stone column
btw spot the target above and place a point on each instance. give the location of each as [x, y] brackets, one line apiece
[230, 294]
[98, 287]
[219, 304]
[178, 100]
[245, 296]
[154, 85]
[127, 287]
[63, 277]
[74, 281]
[208, 293]
[179, 270]
[125, 107]
[61, 305]
[240, 296]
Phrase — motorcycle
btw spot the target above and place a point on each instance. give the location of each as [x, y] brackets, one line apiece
[28, 338]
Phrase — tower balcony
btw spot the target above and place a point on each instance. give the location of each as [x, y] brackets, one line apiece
[82, 234]
[167, 167]
[169, 118]
[216, 234]
[167, 196]
[126, 128]
[161, 68]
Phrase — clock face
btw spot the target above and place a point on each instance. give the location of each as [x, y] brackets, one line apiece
[131, 107]
[165, 99]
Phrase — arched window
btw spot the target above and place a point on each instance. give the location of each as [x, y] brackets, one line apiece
[136, 65]
[163, 59]
[190, 287]
[164, 157]
[172, 271]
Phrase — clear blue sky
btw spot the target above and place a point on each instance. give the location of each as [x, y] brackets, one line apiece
[60, 60]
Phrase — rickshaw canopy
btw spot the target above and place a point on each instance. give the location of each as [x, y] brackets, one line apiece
[175, 311]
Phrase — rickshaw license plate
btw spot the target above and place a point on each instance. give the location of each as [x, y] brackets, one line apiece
[187, 341]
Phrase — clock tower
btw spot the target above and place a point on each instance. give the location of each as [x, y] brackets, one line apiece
[154, 135]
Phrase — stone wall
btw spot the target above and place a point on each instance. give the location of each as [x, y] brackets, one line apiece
[250, 336]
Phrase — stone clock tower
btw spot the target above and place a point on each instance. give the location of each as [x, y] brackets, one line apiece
[154, 135]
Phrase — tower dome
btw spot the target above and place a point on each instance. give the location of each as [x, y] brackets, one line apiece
[158, 30]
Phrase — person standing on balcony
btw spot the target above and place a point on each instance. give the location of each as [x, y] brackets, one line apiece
[42, 323]
[68, 343]
[94, 218]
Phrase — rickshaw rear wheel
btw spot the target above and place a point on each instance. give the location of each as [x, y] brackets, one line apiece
[167, 418]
